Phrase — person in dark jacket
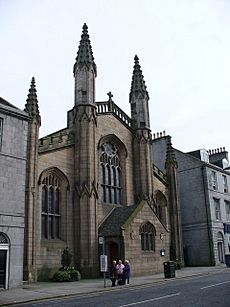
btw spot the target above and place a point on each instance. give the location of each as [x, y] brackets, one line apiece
[127, 272]
[113, 273]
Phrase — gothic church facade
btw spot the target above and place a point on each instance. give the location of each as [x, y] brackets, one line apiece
[96, 179]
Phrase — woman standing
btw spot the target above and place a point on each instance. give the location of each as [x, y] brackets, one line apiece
[120, 267]
[127, 272]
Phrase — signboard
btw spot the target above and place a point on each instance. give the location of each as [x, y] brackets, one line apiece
[101, 240]
[103, 263]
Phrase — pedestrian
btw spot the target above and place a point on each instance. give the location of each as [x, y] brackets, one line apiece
[127, 272]
[120, 268]
[113, 273]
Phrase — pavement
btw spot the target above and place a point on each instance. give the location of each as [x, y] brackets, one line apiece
[49, 290]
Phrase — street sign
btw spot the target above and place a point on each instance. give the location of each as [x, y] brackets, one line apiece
[101, 240]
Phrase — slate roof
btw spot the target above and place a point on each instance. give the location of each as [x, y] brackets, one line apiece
[8, 107]
[112, 225]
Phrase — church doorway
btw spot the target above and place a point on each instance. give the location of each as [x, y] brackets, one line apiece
[113, 252]
[4, 260]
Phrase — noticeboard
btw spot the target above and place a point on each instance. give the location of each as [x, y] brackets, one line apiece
[103, 263]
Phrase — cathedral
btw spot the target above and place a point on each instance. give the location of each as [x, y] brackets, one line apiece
[93, 186]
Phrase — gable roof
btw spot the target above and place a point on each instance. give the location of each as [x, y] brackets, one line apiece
[9, 108]
[119, 219]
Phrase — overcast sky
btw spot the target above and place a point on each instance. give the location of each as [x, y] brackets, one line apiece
[183, 47]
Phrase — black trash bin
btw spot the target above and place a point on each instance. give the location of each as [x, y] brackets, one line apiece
[227, 260]
[169, 269]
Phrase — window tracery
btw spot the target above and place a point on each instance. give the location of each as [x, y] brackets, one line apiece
[3, 238]
[110, 174]
[147, 233]
[51, 217]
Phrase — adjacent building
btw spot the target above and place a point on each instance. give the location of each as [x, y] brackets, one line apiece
[13, 156]
[204, 181]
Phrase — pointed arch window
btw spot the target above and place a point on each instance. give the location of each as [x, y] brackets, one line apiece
[147, 233]
[161, 208]
[51, 217]
[110, 174]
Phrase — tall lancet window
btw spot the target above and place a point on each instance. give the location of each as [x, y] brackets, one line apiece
[50, 208]
[110, 174]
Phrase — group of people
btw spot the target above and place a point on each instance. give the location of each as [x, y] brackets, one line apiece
[120, 273]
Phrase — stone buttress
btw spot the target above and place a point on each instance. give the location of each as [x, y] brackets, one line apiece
[176, 250]
[31, 108]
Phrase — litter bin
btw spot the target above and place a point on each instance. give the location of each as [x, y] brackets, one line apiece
[169, 269]
[227, 260]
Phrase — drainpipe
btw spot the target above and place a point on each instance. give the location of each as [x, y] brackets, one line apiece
[208, 214]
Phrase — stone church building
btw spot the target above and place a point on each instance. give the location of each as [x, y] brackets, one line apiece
[95, 180]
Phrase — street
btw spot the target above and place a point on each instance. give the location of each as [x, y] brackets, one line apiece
[210, 290]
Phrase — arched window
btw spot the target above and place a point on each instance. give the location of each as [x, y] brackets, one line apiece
[110, 174]
[147, 233]
[161, 208]
[50, 224]
[3, 238]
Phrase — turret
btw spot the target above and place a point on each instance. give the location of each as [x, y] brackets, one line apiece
[86, 194]
[142, 144]
[139, 98]
[85, 71]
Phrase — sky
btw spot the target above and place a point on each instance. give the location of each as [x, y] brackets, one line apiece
[183, 48]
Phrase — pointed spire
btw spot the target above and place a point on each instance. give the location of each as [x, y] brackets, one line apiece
[170, 155]
[138, 84]
[85, 53]
[31, 106]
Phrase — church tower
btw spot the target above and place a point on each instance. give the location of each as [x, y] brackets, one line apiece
[86, 195]
[176, 250]
[32, 109]
[138, 99]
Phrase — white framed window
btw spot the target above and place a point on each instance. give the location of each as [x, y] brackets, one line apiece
[214, 180]
[227, 209]
[217, 209]
[225, 184]
[1, 131]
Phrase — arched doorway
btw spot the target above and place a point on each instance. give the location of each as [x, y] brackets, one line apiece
[4, 260]
[220, 246]
[113, 252]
